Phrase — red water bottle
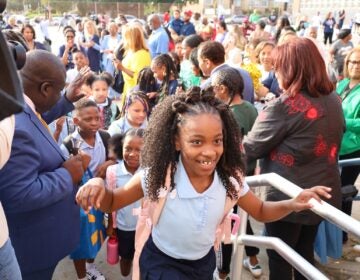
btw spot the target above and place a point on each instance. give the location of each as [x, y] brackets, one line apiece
[112, 250]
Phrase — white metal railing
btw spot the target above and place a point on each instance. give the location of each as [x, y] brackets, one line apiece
[323, 209]
[349, 162]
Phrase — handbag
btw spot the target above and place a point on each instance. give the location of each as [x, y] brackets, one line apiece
[119, 82]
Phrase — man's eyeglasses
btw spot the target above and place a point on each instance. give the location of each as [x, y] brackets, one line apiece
[354, 62]
[69, 37]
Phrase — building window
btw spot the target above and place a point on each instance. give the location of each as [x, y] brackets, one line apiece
[259, 3]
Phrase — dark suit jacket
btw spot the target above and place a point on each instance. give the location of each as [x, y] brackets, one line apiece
[38, 194]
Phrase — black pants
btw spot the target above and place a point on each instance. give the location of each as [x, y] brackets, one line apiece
[328, 35]
[299, 237]
[349, 175]
[156, 265]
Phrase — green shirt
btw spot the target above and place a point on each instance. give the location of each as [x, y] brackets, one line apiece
[351, 108]
[187, 75]
[245, 115]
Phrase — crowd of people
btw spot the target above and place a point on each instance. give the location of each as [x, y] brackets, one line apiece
[167, 118]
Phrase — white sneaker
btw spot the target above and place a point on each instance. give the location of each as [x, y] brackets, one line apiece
[94, 274]
[357, 248]
[255, 270]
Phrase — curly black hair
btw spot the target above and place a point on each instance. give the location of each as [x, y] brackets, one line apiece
[159, 141]
[116, 142]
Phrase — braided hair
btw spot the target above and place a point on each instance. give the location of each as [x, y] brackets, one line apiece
[136, 96]
[170, 72]
[146, 80]
[231, 78]
[159, 141]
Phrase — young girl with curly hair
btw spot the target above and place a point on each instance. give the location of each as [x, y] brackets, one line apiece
[192, 147]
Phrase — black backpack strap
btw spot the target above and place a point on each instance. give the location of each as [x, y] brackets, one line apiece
[105, 136]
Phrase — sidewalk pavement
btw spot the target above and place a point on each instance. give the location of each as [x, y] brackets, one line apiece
[346, 268]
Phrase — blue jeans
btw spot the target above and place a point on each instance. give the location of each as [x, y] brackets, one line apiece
[9, 267]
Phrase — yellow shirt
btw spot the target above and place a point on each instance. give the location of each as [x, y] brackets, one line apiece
[135, 62]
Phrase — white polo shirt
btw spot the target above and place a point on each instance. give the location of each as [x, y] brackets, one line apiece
[187, 224]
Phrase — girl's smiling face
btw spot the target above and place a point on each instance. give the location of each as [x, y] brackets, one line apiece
[265, 57]
[131, 152]
[136, 114]
[200, 143]
[99, 90]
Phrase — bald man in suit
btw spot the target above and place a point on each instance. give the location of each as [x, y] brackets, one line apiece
[37, 184]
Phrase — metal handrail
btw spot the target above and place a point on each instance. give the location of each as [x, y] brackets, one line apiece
[323, 209]
[349, 162]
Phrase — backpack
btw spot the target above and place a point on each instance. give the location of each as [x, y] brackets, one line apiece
[149, 214]
[104, 135]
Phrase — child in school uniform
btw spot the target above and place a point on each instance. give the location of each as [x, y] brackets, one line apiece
[100, 85]
[126, 147]
[192, 148]
[88, 139]
[134, 114]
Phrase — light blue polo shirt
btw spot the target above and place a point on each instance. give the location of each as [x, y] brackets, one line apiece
[187, 225]
[125, 220]
[158, 42]
[122, 125]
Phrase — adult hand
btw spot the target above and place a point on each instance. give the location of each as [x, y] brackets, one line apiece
[302, 201]
[73, 91]
[91, 194]
[85, 159]
[60, 123]
[68, 46]
[74, 165]
[151, 95]
[117, 64]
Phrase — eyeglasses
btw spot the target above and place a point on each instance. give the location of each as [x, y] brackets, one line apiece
[354, 62]
[69, 37]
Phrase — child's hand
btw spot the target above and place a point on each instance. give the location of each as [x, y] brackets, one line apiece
[91, 194]
[301, 202]
[101, 169]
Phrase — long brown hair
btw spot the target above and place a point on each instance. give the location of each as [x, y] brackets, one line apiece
[299, 66]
